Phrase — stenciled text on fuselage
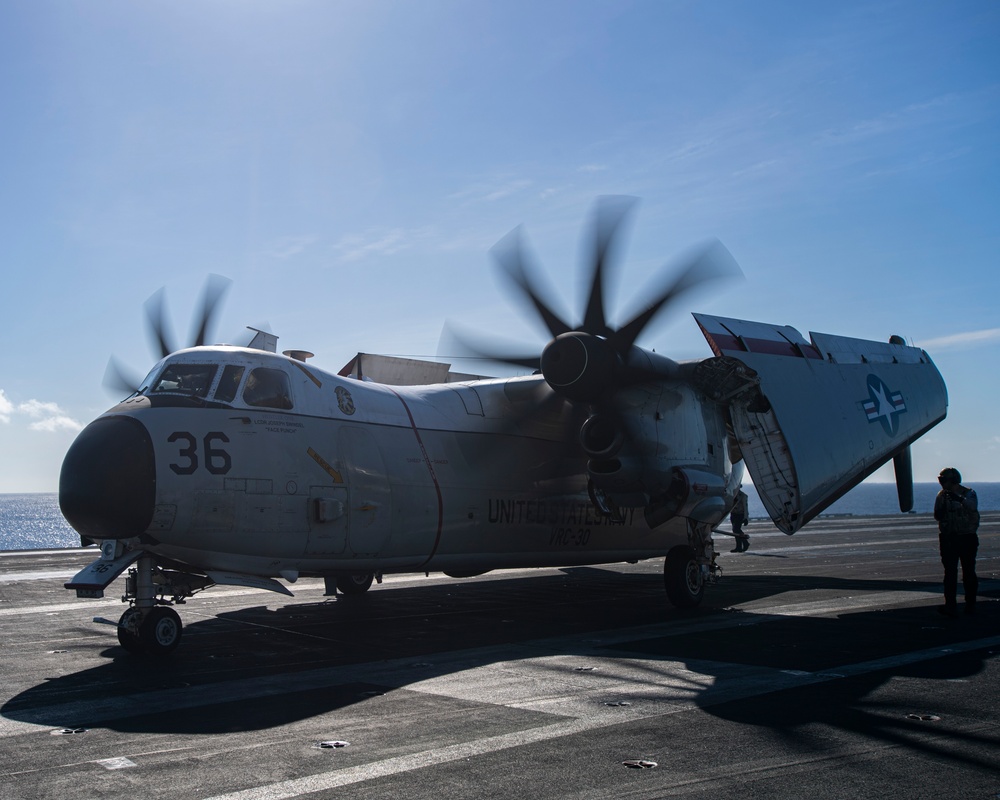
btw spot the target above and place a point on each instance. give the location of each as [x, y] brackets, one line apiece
[548, 512]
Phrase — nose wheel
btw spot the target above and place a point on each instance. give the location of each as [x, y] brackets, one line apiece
[150, 625]
[128, 630]
[160, 631]
[157, 633]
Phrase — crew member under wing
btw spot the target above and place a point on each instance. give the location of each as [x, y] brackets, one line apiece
[814, 418]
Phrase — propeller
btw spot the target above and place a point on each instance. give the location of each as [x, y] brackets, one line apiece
[583, 362]
[118, 378]
[584, 365]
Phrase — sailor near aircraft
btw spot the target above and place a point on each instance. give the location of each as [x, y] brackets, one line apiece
[237, 465]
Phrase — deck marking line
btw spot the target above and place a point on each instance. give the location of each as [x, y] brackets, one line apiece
[284, 790]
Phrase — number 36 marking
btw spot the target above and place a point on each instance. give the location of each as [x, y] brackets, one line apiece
[217, 460]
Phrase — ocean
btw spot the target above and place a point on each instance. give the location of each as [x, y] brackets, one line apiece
[33, 521]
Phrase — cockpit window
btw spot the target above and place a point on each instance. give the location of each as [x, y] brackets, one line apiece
[268, 387]
[229, 383]
[191, 379]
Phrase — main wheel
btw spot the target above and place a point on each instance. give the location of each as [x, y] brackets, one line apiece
[357, 583]
[128, 630]
[160, 632]
[683, 578]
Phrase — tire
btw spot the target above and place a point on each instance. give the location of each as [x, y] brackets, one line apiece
[160, 632]
[355, 584]
[128, 630]
[682, 578]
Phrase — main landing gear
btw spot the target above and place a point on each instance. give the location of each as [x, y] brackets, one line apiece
[689, 567]
[350, 584]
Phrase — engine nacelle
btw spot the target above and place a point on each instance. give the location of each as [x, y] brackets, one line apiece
[672, 460]
[620, 479]
[692, 493]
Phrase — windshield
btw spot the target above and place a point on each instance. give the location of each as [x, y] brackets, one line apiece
[192, 379]
[268, 387]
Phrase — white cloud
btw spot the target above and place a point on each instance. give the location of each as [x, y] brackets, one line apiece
[36, 409]
[46, 417]
[961, 340]
[59, 422]
[6, 407]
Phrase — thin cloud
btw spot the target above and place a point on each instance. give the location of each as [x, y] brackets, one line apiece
[290, 246]
[380, 243]
[46, 417]
[963, 340]
[506, 191]
[492, 191]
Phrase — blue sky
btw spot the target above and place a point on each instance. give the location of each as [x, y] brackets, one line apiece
[349, 165]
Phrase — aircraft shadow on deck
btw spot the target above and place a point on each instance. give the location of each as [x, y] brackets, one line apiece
[419, 622]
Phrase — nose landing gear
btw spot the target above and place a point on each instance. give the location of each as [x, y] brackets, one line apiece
[150, 625]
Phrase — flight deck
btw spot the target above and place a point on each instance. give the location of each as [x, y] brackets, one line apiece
[817, 667]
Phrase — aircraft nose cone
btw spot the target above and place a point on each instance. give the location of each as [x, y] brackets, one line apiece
[107, 487]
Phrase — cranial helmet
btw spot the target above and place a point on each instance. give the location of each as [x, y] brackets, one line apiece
[950, 475]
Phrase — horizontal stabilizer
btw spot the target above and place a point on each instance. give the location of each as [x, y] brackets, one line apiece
[818, 416]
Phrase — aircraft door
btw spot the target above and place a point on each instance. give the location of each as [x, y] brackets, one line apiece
[370, 498]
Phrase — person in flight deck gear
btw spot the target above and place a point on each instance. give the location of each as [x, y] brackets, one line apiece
[956, 510]
[738, 517]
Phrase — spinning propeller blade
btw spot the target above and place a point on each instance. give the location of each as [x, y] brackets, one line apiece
[215, 288]
[609, 214]
[510, 257]
[156, 323]
[464, 344]
[118, 378]
[706, 263]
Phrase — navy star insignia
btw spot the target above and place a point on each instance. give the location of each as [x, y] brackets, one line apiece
[883, 405]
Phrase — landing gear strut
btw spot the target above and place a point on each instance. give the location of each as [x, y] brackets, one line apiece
[688, 568]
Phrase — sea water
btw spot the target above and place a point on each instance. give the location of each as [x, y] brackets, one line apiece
[33, 521]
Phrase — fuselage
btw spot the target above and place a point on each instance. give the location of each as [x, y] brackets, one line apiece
[242, 460]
